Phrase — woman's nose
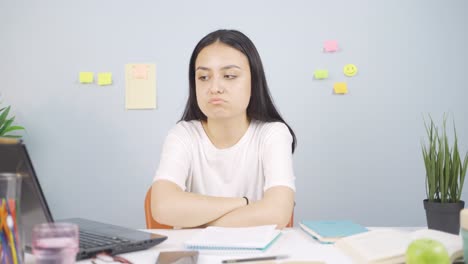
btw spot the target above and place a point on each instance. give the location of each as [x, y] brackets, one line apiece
[216, 86]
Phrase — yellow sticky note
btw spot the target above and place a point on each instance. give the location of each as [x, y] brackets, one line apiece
[320, 74]
[104, 78]
[350, 70]
[86, 77]
[340, 88]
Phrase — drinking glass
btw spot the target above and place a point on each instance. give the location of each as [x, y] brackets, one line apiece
[55, 243]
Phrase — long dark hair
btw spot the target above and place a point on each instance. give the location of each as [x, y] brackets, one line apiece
[261, 106]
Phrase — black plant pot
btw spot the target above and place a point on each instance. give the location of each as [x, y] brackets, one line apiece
[444, 216]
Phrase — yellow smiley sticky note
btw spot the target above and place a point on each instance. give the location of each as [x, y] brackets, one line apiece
[340, 88]
[350, 70]
[86, 77]
[104, 78]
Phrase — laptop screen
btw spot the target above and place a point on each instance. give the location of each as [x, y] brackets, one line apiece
[14, 158]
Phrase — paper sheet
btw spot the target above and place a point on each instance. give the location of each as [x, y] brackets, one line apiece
[140, 86]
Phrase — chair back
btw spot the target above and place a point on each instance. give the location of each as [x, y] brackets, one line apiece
[150, 222]
[291, 221]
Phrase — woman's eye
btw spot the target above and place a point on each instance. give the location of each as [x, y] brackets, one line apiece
[203, 78]
[230, 76]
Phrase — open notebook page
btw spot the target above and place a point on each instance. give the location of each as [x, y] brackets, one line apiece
[452, 243]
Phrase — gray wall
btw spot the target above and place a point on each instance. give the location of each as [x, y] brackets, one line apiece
[358, 156]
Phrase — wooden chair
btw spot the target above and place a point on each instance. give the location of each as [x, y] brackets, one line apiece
[153, 224]
[150, 222]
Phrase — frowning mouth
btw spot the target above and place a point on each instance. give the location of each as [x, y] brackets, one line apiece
[216, 101]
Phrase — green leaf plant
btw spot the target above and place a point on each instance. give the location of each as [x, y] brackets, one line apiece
[6, 124]
[445, 171]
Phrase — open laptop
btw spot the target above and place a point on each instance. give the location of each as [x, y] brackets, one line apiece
[95, 237]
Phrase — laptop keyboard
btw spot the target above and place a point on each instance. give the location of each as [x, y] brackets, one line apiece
[90, 240]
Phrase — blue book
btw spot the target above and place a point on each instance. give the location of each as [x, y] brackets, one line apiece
[328, 232]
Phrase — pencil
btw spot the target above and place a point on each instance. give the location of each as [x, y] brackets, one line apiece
[255, 259]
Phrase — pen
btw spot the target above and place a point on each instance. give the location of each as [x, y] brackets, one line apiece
[255, 259]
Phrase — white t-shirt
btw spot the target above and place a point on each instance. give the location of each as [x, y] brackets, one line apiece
[261, 159]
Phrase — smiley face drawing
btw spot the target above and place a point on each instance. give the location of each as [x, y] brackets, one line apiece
[350, 70]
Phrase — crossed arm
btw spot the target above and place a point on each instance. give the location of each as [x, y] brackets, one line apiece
[172, 206]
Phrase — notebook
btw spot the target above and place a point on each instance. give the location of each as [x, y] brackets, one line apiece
[95, 237]
[387, 246]
[328, 232]
[235, 239]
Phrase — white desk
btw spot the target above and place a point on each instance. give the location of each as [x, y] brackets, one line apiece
[293, 242]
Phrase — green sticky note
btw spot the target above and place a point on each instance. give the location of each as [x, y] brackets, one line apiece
[104, 78]
[321, 74]
[86, 77]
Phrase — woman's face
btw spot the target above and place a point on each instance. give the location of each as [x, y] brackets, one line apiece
[222, 81]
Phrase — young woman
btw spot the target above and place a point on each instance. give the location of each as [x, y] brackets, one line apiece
[228, 162]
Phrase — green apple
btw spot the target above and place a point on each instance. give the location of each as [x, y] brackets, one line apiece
[427, 251]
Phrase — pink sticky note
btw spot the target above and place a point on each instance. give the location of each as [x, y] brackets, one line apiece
[140, 71]
[330, 46]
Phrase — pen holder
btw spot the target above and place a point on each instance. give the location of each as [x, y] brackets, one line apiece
[11, 247]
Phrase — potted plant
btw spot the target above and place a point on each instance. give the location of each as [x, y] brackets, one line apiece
[6, 124]
[445, 175]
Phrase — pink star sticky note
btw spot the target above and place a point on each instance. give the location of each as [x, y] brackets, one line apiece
[330, 46]
[140, 71]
